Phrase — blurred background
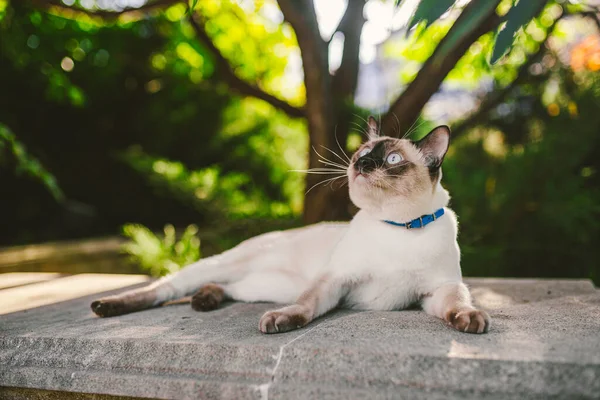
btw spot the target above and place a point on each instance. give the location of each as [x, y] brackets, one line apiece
[142, 135]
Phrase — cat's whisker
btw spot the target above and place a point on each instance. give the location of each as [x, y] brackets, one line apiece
[398, 123]
[324, 160]
[324, 182]
[322, 168]
[335, 154]
[316, 171]
[361, 118]
[413, 130]
[332, 182]
[340, 146]
[408, 130]
[321, 173]
[361, 129]
[333, 165]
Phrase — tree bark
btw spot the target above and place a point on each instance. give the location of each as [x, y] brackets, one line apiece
[325, 97]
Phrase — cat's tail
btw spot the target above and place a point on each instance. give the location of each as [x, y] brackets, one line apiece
[173, 287]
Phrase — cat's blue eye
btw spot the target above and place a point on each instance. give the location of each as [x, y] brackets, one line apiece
[394, 158]
[364, 152]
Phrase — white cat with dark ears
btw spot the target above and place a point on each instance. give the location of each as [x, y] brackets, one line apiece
[399, 249]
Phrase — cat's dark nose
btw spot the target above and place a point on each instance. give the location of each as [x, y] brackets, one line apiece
[365, 164]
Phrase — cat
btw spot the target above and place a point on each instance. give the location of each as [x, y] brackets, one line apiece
[399, 249]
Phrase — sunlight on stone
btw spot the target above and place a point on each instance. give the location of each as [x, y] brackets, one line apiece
[459, 350]
[136, 332]
[58, 290]
[489, 299]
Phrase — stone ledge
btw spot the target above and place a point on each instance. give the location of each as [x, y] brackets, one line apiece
[544, 343]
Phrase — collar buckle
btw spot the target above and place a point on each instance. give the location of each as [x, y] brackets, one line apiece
[409, 224]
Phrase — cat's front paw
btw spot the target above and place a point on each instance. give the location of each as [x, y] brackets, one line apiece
[470, 321]
[283, 320]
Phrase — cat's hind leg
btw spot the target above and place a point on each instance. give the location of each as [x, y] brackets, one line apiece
[222, 268]
[271, 285]
[208, 298]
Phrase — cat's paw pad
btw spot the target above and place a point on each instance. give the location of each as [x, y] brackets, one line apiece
[108, 307]
[208, 298]
[470, 321]
[284, 320]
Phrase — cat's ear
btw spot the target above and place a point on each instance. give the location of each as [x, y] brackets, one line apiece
[373, 126]
[434, 146]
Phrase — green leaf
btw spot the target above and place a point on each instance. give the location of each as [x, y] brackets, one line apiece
[27, 164]
[192, 4]
[517, 17]
[470, 20]
[429, 11]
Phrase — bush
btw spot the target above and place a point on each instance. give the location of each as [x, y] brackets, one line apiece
[161, 255]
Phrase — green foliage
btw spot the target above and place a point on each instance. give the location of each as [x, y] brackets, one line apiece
[470, 21]
[192, 4]
[526, 187]
[243, 172]
[144, 93]
[519, 14]
[25, 163]
[474, 66]
[517, 17]
[429, 11]
[257, 47]
[161, 256]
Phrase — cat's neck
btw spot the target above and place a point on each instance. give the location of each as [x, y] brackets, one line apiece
[412, 208]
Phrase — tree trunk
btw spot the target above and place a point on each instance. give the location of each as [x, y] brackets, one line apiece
[326, 97]
[328, 117]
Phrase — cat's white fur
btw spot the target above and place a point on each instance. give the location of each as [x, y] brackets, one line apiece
[365, 264]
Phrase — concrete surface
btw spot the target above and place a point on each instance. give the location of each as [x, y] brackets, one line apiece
[544, 343]
[39, 394]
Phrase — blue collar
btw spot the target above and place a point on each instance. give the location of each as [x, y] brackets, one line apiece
[418, 222]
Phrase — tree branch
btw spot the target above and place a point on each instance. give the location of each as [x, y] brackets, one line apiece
[320, 107]
[498, 96]
[235, 82]
[302, 17]
[346, 77]
[407, 107]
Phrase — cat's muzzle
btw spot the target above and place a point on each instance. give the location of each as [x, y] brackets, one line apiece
[366, 164]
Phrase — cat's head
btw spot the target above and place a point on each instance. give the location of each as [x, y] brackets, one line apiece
[386, 172]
